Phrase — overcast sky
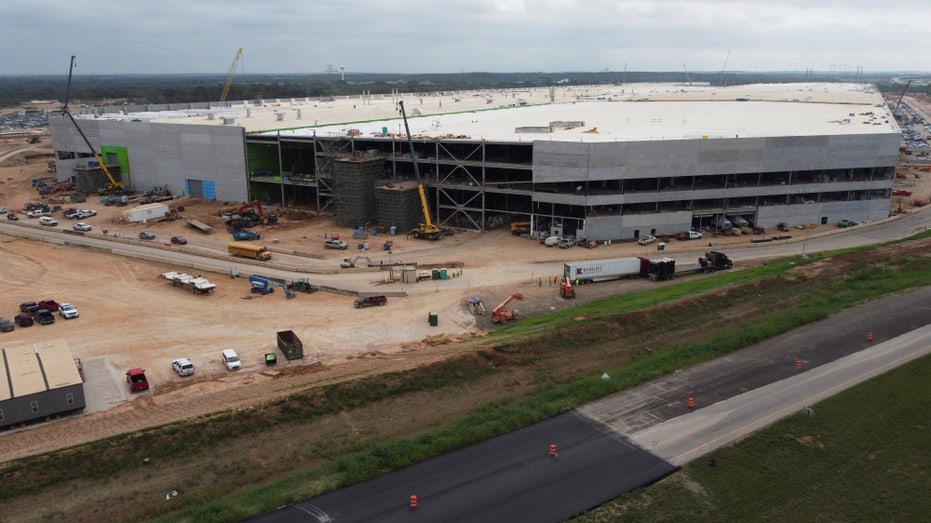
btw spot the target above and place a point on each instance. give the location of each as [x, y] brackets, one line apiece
[450, 36]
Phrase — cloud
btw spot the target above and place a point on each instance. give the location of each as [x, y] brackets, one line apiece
[284, 36]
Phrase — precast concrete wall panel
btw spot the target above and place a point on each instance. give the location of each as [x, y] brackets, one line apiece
[560, 162]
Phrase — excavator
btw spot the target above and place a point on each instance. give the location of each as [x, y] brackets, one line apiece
[262, 285]
[427, 230]
[115, 186]
[502, 316]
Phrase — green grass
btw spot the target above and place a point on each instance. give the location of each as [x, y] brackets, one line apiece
[863, 456]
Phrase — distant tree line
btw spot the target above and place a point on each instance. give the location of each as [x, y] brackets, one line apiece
[181, 88]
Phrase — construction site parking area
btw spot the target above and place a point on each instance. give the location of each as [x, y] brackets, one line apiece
[131, 316]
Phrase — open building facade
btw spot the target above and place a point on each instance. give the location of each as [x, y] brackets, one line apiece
[600, 162]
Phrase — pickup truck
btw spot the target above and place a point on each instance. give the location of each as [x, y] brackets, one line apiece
[335, 244]
[183, 367]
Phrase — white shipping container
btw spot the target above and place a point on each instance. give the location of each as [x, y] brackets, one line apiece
[145, 212]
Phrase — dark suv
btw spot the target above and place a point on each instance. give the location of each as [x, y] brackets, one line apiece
[44, 317]
[368, 301]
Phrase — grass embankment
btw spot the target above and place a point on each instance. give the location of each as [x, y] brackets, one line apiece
[863, 456]
[538, 367]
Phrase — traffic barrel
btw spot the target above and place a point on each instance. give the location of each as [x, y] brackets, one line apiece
[869, 336]
[798, 364]
[553, 450]
[691, 402]
[413, 502]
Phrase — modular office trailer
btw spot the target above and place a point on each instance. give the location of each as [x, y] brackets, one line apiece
[38, 381]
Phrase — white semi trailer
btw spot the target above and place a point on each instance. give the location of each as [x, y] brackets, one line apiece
[603, 270]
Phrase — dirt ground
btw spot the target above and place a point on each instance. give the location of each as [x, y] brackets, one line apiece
[131, 317]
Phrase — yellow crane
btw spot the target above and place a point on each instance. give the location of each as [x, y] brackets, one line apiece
[114, 184]
[229, 76]
[427, 230]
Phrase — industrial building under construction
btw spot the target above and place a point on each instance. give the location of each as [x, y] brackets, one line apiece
[601, 162]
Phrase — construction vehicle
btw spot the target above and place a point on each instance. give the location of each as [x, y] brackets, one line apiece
[114, 185]
[566, 290]
[262, 285]
[426, 230]
[229, 76]
[518, 228]
[500, 315]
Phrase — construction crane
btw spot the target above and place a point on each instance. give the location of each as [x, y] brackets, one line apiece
[229, 76]
[502, 316]
[426, 230]
[724, 70]
[895, 110]
[114, 185]
[262, 285]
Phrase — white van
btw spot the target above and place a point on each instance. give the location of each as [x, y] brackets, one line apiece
[231, 359]
[48, 220]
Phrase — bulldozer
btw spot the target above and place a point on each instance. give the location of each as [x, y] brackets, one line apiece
[500, 315]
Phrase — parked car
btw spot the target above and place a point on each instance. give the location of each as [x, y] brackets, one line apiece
[48, 221]
[23, 319]
[846, 223]
[28, 306]
[36, 213]
[4, 210]
[49, 305]
[146, 235]
[336, 244]
[6, 326]
[178, 240]
[901, 192]
[85, 213]
[565, 243]
[44, 317]
[368, 301]
[183, 367]
[246, 235]
[81, 226]
[71, 214]
[646, 240]
[12, 216]
[68, 311]
[137, 380]
[230, 359]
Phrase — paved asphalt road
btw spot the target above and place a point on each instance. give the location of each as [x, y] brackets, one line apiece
[508, 478]
[688, 437]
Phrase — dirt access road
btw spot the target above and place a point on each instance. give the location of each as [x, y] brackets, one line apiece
[131, 317]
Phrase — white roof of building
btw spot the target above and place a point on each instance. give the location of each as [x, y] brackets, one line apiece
[633, 112]
[34, 368]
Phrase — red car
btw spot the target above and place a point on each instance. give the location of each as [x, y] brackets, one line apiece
[49, 305]
[900, 192]
[178, 240]
[137, 380]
